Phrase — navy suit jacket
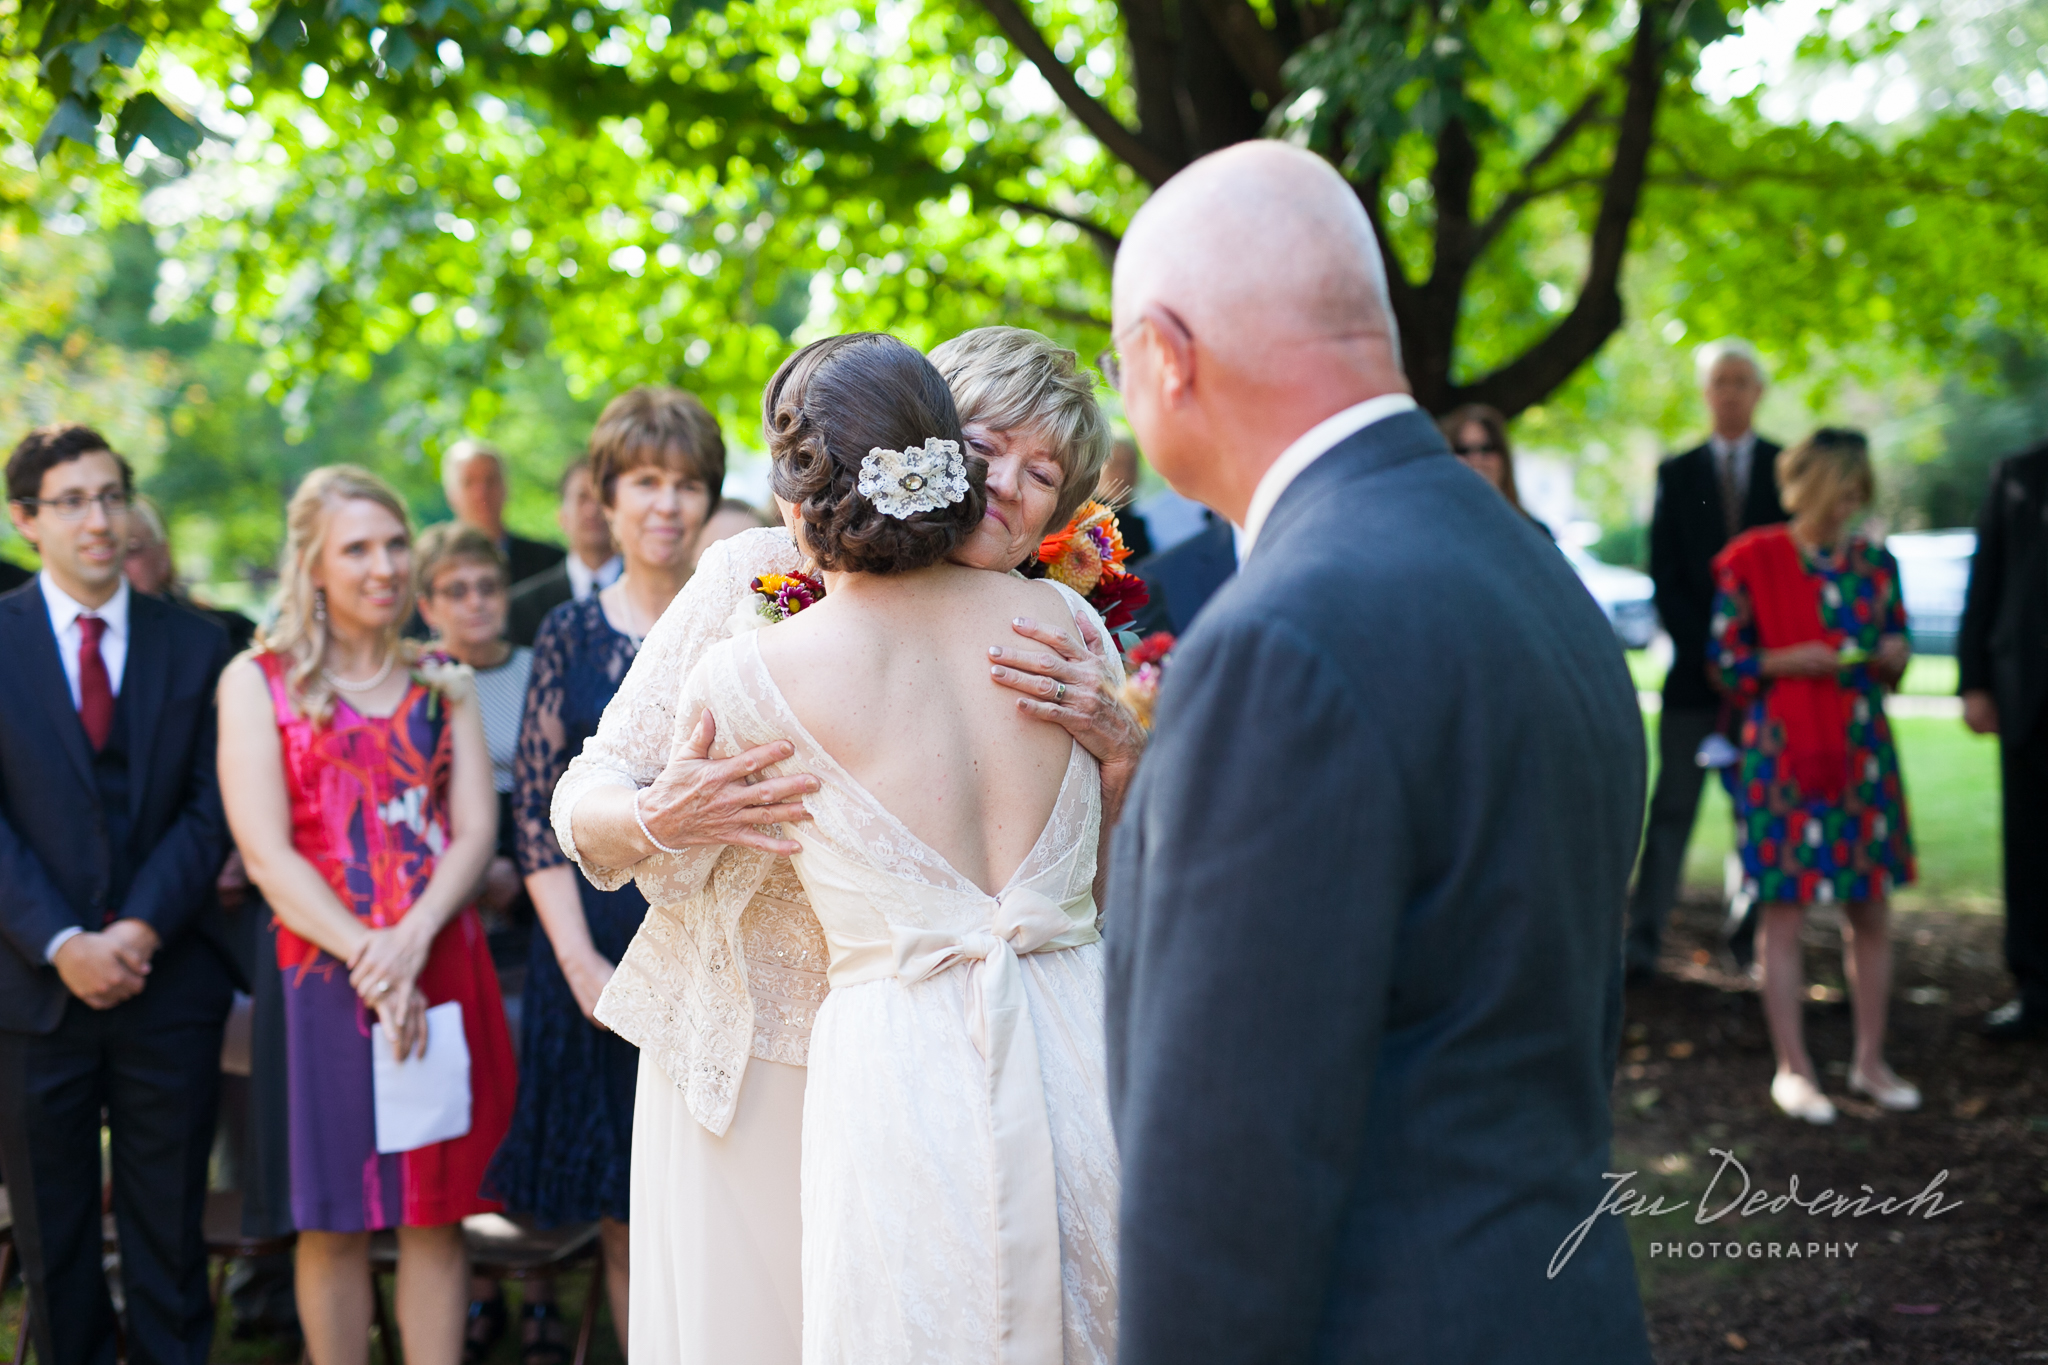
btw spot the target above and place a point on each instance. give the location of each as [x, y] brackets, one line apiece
[1364, 926]
[54, 855]
[1182, 578]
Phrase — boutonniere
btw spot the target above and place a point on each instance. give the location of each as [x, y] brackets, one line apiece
[1088, 555]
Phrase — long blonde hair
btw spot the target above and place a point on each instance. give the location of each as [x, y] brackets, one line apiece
[299, 630]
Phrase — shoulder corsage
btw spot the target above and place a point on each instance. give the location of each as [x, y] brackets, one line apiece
[450, 682]
[775, 597]
[1088, 555]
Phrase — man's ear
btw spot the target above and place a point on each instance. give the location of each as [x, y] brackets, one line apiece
[22, 523]
[1176, 352]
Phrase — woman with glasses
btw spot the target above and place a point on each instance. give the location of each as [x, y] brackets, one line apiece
[461, 580]
[1479, 438]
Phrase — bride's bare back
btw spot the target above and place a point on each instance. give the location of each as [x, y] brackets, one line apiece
[890, 674]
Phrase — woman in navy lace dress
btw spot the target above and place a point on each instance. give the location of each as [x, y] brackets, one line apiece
[659, 461]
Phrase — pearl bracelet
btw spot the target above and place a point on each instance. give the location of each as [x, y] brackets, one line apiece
[641, 820]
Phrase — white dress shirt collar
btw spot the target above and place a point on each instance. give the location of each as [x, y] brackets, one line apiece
[1307, 448]
[584, 580]
[64, 612]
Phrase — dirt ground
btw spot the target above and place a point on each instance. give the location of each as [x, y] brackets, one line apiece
[1964, 1287]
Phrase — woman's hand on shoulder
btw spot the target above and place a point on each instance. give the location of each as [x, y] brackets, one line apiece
[1066, 684]
[700, 800]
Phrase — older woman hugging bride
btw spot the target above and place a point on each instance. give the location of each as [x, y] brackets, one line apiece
[726, 976]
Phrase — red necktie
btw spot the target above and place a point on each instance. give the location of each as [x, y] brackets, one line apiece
[95, 689]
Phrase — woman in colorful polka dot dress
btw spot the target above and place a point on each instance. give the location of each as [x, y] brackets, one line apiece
[1809, 632]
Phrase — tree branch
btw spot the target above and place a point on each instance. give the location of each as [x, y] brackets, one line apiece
[1011, 301]
[1252, 49]
[1107, 128]
[1525, 191]
[1450, 182]
[1105, 241]
[1598, 312]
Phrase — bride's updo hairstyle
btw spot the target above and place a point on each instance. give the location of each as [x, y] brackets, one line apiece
[825, 409]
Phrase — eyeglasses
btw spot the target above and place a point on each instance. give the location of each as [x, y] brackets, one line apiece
[1112, 367]
[1475, 450]
[74, 506]
[458, 593]
[1111, 363]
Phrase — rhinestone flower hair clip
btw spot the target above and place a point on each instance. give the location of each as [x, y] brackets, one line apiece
[903, 483]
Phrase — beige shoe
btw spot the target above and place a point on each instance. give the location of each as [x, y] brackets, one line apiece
[1898, 1097]
[1800, 1098]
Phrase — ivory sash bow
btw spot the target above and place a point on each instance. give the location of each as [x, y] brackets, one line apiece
[999, 1023]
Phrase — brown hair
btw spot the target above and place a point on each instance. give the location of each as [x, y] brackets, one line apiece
[1496, 427]
[656, 426]
[43, 449]
[825, 409]
[1824, 463]
[449, 543]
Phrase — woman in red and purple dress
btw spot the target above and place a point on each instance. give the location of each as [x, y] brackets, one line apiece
[360, 795]
[1809, 631]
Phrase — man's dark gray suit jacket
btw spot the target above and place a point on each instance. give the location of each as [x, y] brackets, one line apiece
[1364, 928]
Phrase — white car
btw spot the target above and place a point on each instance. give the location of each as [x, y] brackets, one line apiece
[1934, 573]
[1625, 595]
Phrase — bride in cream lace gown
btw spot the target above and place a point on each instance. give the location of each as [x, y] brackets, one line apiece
[959, 1173]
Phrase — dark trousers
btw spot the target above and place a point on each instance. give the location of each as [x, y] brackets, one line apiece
[1673, 808]
[150, 1067]
[2023, 761]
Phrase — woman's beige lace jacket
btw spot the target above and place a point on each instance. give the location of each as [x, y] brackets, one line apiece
[729, 961]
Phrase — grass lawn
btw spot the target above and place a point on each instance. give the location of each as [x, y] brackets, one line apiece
[1929, 675]
[1951, 797]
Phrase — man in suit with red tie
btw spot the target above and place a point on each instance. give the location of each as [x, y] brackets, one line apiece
[113, 986]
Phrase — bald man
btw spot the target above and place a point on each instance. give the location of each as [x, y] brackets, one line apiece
[1365, 912]
[473, 478]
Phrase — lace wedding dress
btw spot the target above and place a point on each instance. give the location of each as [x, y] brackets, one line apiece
[959, 1174]
[717, 990]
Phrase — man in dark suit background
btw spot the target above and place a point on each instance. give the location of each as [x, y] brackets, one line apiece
[591, 563]
[2002, 660]
[12, 575]
[1183, 577]
[473, 478]
[112, 990]
[1705, 498]
[1364, 915]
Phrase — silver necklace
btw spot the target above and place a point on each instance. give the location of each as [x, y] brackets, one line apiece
[343, 684]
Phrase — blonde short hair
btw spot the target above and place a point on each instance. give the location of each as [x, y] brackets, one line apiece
[1822, 466]
[1014, 379]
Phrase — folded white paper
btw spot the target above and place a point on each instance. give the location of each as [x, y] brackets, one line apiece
[422, 1100]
